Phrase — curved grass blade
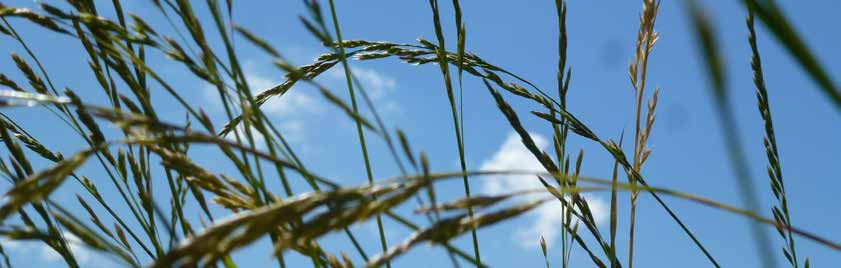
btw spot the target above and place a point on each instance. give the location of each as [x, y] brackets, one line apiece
[780, 211]
[705, 35]
[773, 18]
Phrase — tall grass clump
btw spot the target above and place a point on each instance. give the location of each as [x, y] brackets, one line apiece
[143, 197]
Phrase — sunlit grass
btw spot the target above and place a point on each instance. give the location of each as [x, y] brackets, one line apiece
[144, 227]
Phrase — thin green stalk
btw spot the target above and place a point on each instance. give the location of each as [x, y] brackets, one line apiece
[445, 71]
[560, 129]
[780, 211]
[77, 127]
[646, 38]
[359, 132]
[613, 208]
[705, 35]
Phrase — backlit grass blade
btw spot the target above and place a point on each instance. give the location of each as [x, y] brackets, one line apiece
[780, 211]
[706, 36]
[445, 72]
[773, 18]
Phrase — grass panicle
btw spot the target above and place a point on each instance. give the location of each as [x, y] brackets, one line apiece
[775, 174]
[143, 198]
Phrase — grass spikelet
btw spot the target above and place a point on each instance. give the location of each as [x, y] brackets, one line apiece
[262, 44]
[646, 38]
[773, 18]
[445, 72]
[32, 16]
[34, 80]
[450, 227]
[9, 83]
[783, 219]
[41, 184]
[189, 194]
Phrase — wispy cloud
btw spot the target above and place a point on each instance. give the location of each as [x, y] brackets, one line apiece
[545, 220]
[294, 101]
[378, 85]
[298, 102]
[82, 254]
[291, 110]
[292, 130]
[45, 254]
[259, 139]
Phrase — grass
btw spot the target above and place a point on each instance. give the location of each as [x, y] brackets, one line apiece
[145, 224]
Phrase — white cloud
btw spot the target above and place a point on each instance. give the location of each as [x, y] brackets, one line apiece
[82, 254]
[376, 84]
[293, 130]
[298, 103]
[545, 220]
[294, 111]
[293, 103]
[45, 254]
[290, 110]
[9, 244]
[512, 155]
[259, 139]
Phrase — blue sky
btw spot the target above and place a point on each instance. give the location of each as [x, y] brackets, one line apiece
[689, 154]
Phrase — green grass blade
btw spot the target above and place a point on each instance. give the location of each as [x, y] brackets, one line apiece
[705, 35]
